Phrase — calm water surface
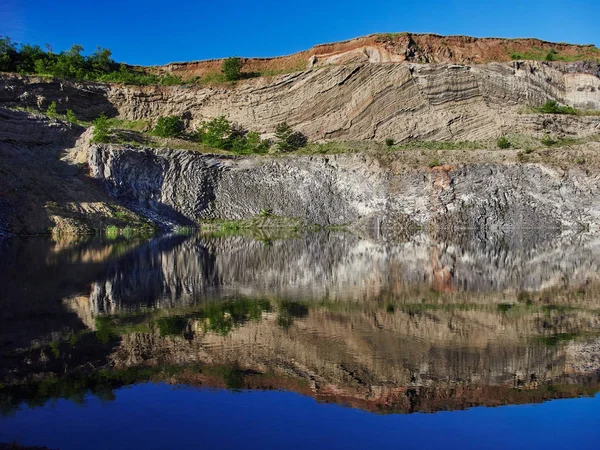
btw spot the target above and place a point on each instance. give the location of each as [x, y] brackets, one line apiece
[323, 340]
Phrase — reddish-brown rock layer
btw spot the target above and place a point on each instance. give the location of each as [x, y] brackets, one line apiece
[399, 47]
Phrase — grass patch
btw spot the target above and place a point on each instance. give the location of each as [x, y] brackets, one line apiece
[261, 220]
[130, 125]
[540, 54]
[439, 145]
[503, 143]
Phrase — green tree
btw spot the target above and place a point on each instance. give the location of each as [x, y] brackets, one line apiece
[51, 110]
[101, 129]
[28, 56]
[8, 54]
[216, 132]
[232, 68]
[168, 126]
[100, 61]
[254, 144]
[288, 139]
[71, 117]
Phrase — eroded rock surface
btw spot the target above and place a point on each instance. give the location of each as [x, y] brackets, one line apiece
[368, 101]
[366, 191]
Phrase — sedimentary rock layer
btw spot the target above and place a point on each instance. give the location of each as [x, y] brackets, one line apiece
[350, 102]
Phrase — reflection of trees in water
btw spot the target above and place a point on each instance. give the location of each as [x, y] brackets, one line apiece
[330, 308]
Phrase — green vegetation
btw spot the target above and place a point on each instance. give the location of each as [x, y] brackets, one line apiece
[548, 141]
[553, 107]
[55, 348]
[290, 310]
[556, 339]
[101, 129]
[232, 68]
[72, 64]
[540, 54]
[171, 325]
[434, 163]
[439, 145]
[76, 386]
[264, 220]
[219, 317]
[503, 143]
[221, 133]
[71, 117]
[389, 142]
[51, 110]
[128, 232]
[170, 126]
[288, 139]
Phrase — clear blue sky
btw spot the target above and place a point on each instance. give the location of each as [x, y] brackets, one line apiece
[157, 32]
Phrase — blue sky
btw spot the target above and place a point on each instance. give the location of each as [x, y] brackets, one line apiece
[157, 32]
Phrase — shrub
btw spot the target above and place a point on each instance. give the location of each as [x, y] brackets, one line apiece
[216, 132]
[51, 111]
[221, 133]
[297, 140]
[170, 126]
[71, 117]
[389, 142]
[254, 144]
[548, 140]
[434, 163]
[283, 131]
[112, 232]
[288, 139]
[171, 326]
[551, 56]
[553, 107]
[237, 131]
[232, 68]
[503, 143]
[101, 129]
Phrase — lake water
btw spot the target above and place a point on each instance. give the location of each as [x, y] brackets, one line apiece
[322, 340]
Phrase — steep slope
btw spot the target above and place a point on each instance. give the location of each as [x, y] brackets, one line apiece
[41, 189]
[349, 102]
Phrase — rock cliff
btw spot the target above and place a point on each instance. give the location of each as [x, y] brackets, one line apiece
[350, 102]
[373, 192]
[402, 87]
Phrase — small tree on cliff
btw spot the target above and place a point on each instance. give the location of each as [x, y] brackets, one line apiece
[288, 139]
[170, 126]
[232, 68]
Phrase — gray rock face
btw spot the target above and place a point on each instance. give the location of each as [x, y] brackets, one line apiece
[179, 272]
[365, 191]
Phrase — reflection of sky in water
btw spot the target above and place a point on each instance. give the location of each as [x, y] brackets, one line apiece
[150, 416]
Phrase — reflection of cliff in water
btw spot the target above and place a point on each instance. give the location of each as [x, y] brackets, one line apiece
[418, 325]
[342, 267]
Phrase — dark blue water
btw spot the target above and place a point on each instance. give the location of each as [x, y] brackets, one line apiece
[301, 341]
[159, 416]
